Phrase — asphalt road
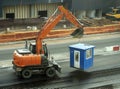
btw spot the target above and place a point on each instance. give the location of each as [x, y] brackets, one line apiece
[6, 54]
[101, 62]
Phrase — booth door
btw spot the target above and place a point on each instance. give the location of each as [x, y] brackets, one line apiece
[76, 59]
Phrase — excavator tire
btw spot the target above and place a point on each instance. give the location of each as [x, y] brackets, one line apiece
[50, 72]
[26, 73]
[78, 32]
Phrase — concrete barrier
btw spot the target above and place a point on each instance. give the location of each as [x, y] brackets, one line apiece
[112, 48]
[116, 48]
[32, 35]
[57, 33]
[102, 29]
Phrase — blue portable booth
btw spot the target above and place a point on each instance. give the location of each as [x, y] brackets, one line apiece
[81, 56]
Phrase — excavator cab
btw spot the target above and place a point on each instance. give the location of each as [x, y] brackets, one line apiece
[32, 48]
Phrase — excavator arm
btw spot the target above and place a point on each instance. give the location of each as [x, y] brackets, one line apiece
[52, 22]
[69, 16]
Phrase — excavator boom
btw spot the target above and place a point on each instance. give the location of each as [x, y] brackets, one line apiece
[45, 30]
[69, 16]
[52, 22]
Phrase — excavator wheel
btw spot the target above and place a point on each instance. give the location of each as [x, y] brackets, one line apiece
[50, 72]
[78, 32]
[26, 73]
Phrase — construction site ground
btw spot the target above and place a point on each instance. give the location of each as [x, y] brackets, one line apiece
[61, 40]
[63, 29]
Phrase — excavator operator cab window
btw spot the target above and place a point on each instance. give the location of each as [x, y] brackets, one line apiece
[32, 48]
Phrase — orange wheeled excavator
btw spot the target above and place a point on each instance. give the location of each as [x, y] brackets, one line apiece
[35, 59]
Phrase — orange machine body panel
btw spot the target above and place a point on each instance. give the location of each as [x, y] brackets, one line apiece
[22, 60]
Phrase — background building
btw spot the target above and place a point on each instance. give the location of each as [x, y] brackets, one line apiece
[27, 8]
[34, 8]
[91, 8]
[19, 14]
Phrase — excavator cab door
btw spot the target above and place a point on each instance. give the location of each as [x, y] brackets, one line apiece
[45, 49]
